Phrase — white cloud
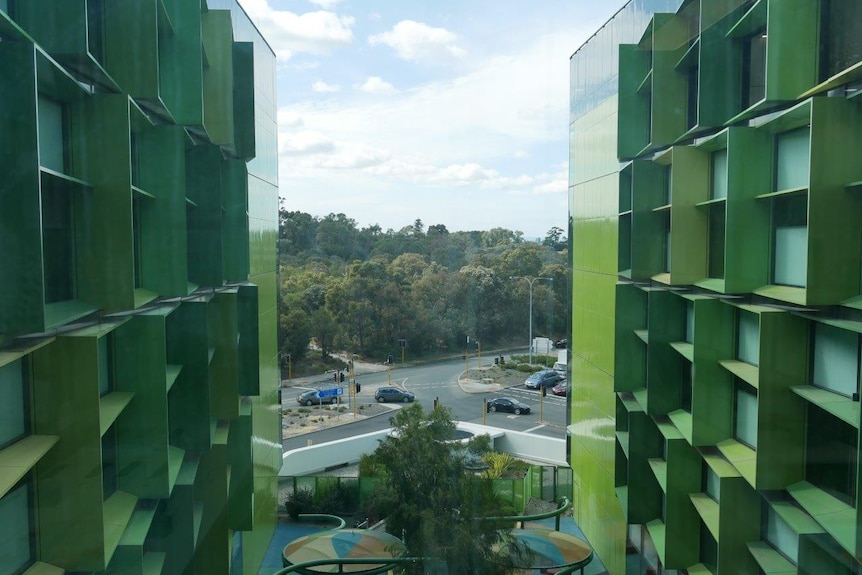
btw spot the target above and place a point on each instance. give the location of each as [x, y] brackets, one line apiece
[289, 119]
[552, 187]
[377, 85]
[351, 157]
[413, 40]
[316, 32]
[323, 87]
[304, 143]
[325, 4]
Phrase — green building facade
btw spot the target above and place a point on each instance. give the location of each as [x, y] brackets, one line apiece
[715, 178]
[138, 361]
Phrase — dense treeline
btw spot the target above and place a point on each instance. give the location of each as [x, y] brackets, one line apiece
[363, 290]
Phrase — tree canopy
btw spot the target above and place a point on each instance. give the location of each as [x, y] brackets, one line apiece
[363, 290]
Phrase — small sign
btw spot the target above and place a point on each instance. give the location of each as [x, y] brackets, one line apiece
[332, 392]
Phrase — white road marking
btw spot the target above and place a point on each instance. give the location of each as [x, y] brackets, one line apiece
[533, 428]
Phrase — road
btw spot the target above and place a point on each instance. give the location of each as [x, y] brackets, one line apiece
[440, 381]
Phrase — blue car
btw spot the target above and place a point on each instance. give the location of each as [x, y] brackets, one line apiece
[544, 378]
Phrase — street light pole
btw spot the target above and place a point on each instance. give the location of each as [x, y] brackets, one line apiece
[530, 281]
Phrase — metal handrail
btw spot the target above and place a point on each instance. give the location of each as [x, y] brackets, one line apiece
[386, 563]
[564, 505]
[312, 516]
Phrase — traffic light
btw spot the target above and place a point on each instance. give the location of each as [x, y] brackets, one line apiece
[389, 360]
[335, 377]
[341, 377]
[544, 391]
[496, 361]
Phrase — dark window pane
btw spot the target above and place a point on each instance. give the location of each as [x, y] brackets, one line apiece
[109, 462]
[716, 240]
[831, 451]
[840, 41]
[16, 533]
[754, 68]
[58, 244]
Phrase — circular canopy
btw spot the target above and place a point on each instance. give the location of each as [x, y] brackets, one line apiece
[343, 544]
[545, 549]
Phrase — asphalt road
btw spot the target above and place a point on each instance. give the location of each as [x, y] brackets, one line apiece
[440, 381]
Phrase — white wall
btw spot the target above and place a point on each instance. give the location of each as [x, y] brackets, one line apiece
[315, 458]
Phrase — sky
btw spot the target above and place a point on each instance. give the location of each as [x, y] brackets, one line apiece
[454, 112]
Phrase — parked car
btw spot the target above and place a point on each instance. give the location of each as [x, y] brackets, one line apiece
[544, 378]
[508, 404]
[560, 368]
[562, 343]
[560, 388]
[393, 394]
[311, 397]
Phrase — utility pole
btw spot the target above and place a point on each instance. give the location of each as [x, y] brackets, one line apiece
[530, 281]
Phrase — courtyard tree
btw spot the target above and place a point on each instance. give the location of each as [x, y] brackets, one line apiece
[430, 499]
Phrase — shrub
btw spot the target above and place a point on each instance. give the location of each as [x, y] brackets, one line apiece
[299, 501]
[499, 464]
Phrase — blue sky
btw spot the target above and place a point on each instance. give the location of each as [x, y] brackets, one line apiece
[453, 112]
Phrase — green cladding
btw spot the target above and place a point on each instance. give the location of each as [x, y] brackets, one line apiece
[138, 346]
[733, 286]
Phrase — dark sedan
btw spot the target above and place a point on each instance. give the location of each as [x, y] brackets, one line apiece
[509, 405]
[393, 394]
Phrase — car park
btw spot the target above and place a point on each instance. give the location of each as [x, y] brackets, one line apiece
[540, 379]
[393, 394]
[560, 388]
[508, 404]
[312, 397]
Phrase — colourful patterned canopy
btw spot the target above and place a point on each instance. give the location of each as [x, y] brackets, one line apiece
[343, 544]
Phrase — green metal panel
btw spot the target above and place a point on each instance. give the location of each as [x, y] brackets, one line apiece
[664, 365]
[189, 398]
[834, 242]
[204, 220]
[719, 79]
[681, 518]
[633, 125]
[243, 100]
[163, 234]
[645, 442]
[21, 301]
[218, 81]
[712, 389]
[241, 495]
[105, 270]
[249, 340]
[69, 477]
[669, 88]
[630, 350]
[42, 19]
[212, 552]
[140, 365]
[792, 26]
[181, 63]
[689, 186]
[224, 365]
[780, 413]
[747, 240]
[131, 35]
[235, 230]
[739, 524]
